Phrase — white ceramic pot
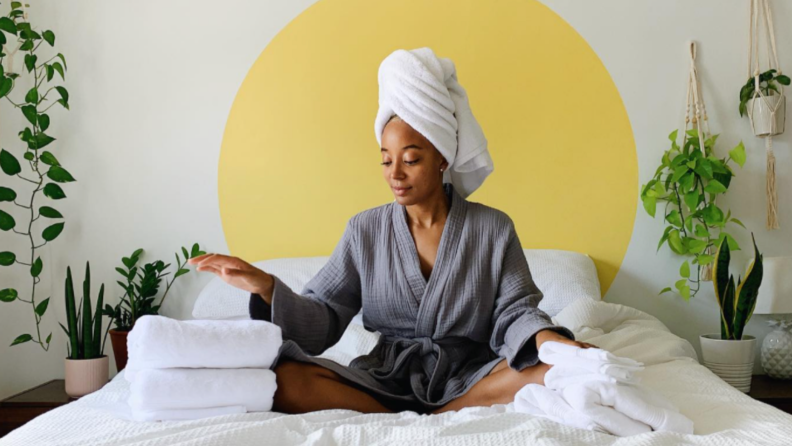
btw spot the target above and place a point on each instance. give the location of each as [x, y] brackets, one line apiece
[763, 121]
[731, 360]
[84, 376]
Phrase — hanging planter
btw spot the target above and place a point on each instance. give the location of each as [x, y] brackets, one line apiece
[762, 97]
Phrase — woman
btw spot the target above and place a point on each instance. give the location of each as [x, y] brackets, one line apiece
[444, 280]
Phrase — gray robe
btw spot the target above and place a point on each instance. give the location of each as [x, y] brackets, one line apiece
[438, 337]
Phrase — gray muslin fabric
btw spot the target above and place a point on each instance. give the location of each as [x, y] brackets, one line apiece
[438, 337]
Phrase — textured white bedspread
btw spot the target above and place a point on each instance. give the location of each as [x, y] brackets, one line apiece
[722, 414]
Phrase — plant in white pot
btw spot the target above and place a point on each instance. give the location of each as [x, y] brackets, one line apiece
[87, 367]
[730, 353]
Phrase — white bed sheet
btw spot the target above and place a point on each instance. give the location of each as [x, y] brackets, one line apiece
[722, 414]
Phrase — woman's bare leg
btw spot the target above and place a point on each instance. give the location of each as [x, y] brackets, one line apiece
[499, 387]
[304, 387]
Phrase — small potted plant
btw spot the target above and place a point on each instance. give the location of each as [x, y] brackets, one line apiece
[141, 286]
[86, 364]
[730, 353]
[767, 112]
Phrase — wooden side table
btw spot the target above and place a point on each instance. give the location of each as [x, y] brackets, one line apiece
[775, 392]
[18, 409]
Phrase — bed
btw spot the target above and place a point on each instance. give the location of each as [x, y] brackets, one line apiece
[722, 414]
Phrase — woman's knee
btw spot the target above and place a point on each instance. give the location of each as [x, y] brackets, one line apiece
[514, 380]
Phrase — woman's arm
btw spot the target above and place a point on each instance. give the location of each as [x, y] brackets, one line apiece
[516, 319]
[316, 318]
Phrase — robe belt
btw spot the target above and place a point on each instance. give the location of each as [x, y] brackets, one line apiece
[427, 343]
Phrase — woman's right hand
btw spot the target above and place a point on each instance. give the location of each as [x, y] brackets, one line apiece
[237, 273]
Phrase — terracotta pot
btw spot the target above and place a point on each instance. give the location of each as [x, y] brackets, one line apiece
[84, 376]
[119, 340]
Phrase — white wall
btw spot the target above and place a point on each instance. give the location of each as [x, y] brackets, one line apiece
[152, 83]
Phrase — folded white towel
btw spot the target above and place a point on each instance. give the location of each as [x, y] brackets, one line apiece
[624, 409]
[159, 342]
[183, 389]
[538, 400]
[595, 360]
[424, 91]
[558, 377]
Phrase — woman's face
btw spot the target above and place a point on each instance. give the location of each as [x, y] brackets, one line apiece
[410, 161]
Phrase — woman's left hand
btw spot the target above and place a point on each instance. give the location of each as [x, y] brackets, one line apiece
[550, 335]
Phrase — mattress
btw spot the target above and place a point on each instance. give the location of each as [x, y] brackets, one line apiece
[722, 414]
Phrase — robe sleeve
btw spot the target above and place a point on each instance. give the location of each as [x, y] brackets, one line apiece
[516, 318]
[317, 318]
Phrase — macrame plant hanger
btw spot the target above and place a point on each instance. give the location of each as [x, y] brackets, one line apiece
[766, 113]
[695, 101]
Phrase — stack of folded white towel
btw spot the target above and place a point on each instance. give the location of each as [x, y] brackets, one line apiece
[593, 389]
[182, 370]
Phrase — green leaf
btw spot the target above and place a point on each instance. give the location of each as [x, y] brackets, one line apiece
[704, 259]
[181, 272]
[7, 194]
[36, 267]
[697, 246]
[30, 63]
[674, 218]
[738, 222]
[675, 242]
[16, 5]
[63, 59]
[41, 308]
[49, 36]
[59, 68]
[41, 140]
[8, 295]
[49, 337]
[665, 290]
[684, 270]
[738, 154]
[9, 163]
[783, 79]
[27, 45]
[673, 135]
[7, 258]
[7, 222]
[701, 231]
[32, 96]
[49, 159]
[48, 212]
[30, 113]
[680, 283]
[692, 199]
[28, 156]
[53, 191]
[687, 181]
[63, 93]
[50, 72]
[44, 121]
[664, 237]
[51, 232]
[5, 86]
[715, 187]
[59, 174]
[8, 25]
[21, 338]
[685, 292]
[650, 205]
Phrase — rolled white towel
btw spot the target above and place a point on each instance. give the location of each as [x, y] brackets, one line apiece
[179, 389]
[536, 399]
[159, 342]
[595, 360]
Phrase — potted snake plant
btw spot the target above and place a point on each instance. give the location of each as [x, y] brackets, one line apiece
[730, 353]
[86, 364]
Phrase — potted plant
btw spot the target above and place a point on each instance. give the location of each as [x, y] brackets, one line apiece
[141, 286]
[767, 112]
[689, 179]
[38, 171]
[86, 367]
[730, 353]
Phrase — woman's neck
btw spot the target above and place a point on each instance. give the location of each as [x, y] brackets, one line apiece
[431, 212]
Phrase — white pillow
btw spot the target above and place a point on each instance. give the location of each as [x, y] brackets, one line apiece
[562, 276]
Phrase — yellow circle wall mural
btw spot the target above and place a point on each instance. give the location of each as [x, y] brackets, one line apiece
[299, 156]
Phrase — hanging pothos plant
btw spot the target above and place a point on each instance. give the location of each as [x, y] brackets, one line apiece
[43, 172]
[689, 179]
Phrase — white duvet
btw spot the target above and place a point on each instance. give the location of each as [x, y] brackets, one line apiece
[722, 414]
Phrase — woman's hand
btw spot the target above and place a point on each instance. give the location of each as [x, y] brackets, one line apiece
[236, 272]
[550, 335]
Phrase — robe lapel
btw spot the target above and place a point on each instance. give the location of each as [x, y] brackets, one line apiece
[424, 301]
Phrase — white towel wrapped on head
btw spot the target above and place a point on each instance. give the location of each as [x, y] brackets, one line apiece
[159, 342]
[424, 91]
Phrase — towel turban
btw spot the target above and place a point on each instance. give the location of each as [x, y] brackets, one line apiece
[423, 90]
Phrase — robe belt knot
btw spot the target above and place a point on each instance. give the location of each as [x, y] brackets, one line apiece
[427, 342]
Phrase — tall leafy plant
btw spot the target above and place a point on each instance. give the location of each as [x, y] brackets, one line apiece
[737, 302]
[689, 179]
[43, 171]
[85, 331]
